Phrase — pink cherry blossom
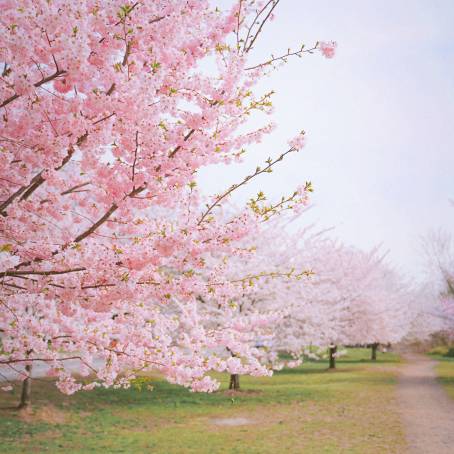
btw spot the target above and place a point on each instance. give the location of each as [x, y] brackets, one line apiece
[108, 250]
[298, 142]
[327, 48]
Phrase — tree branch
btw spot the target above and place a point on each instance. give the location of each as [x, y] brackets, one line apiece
[249, 47]
[283, 57]
[107, 214]
[232, 188]
[40, 273]
[12, 361]
[186, 137]
[43, 81]
[25, 191]
[135, 157]
[84, 234]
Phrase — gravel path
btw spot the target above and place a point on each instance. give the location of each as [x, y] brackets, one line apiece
[427, 411]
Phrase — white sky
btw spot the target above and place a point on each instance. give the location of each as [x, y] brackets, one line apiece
[379, 119]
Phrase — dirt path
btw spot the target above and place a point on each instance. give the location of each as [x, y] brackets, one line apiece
[427, 411]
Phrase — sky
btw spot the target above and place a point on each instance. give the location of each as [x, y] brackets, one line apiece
[379, 120]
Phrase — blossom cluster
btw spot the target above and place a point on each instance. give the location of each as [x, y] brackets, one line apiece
[107, 250]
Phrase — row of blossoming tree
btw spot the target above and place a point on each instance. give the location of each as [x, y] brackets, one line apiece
[342, 296]
[439, 253]
[110, 256]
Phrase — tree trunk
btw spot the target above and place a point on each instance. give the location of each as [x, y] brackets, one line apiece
[25, 398]
[234, 382]
[374, 351]
[332, 357]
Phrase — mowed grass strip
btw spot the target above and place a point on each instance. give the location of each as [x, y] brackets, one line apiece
[445, 372]
[308, 409]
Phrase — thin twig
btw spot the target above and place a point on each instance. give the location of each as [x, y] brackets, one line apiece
[232, 188]
[283, 57]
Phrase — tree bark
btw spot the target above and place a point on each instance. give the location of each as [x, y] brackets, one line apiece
[25, 398]
[234, 382]
[332, 357]
[374, 351]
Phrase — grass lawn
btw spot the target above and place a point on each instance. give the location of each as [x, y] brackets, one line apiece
[309, 409]
[445, 372]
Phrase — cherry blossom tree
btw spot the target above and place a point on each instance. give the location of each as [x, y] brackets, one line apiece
[302, 291]
[108, 111]
[389, 302]
[427, 315]
[266, 275]
[438, 247]
[351, 298]
[378, 308]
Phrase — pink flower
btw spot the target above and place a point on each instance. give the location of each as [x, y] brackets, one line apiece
[295, 363]
[298, 142]
[234, 365]
[327, 48]
[139, 266]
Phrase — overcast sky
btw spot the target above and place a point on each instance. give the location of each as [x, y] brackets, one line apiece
[379, 120]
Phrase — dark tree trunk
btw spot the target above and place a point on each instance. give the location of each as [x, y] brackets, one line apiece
[234, 382]
[332, 357]
[25, 397]
[374, 351]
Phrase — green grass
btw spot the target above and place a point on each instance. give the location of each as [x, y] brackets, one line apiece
[438, 351]
[445, 372]
[309, 409]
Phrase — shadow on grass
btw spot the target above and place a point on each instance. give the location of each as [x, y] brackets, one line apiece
[321, 367]
[446, 359]
[370, 361]
[165, 396]
[266, 391]
[13, 428]
[321, 370]
[445, 380]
